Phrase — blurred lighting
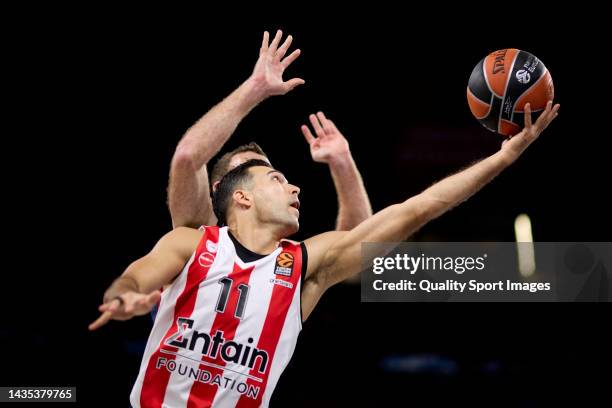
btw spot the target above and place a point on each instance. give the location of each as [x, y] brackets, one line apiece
[525, 249]
[422, 363]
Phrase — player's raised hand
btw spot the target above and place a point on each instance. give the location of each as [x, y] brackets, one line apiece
[329, 143]
[515, 145]
[126, 306]
[272, 63]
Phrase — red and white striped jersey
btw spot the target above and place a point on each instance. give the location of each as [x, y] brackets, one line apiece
[226, 328]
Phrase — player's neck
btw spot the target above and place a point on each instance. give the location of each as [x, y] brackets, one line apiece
[256, 238]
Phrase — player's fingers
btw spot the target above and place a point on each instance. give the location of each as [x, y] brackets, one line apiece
[275, 42]
[552, 112]
[292, 83]
[283, 48]
[324, 122]
[545, 117]
[101, 321]
[114, 304]
[153, 298]
[555, 111]
[314, 121]
[103, 307]
[130, 304]
[527, 110]
[292, 57]
[141, 306]
[306, 132]
[264, 43]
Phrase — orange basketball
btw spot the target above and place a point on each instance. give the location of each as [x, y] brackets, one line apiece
[500, 86]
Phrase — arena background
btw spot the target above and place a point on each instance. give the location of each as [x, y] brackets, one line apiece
[101, 98]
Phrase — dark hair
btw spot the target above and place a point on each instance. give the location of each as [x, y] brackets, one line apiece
[222, 165]
[235, 178]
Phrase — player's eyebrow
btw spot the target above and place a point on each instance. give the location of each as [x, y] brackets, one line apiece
[275, 171]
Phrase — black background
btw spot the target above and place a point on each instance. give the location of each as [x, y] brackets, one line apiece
[99, 98]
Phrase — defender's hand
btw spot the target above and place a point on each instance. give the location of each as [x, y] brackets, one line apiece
[329, 144]
[268, 72]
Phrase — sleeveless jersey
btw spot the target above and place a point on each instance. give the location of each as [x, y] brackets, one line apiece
[225, 329]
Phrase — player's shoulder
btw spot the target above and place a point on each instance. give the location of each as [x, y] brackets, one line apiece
[189, 230]
[291, 245]
[289, 242]
[185, 235]
[324, 239]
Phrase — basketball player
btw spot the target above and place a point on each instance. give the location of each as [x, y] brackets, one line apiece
[189, 191]
[228, 324]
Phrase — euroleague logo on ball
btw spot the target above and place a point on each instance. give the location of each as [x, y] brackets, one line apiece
[523, 76]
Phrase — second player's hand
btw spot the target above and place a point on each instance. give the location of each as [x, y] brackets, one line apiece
[272, 63]
[329, 144]
[126, 306]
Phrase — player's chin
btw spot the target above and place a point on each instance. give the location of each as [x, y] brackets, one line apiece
[292, 225]
[294, 214]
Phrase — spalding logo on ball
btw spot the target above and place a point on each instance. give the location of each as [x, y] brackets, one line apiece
[500, 86]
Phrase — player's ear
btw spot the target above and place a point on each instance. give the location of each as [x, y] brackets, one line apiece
[243, 198]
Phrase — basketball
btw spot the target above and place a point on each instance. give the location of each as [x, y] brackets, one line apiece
[500, 86]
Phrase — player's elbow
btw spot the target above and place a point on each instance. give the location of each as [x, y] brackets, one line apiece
[183, 215]
[184, 158]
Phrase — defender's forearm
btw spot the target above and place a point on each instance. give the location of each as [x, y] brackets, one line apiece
[206, 137]
[353, 202]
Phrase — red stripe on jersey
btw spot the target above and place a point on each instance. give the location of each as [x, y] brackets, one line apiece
[155, 380]
[275, 321]
[203, 394]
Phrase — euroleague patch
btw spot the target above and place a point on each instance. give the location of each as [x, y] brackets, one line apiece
[284, 264]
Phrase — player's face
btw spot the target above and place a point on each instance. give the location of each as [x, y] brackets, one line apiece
[243, 157]
[276, 201]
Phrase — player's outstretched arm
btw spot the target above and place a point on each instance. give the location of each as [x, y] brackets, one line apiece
[136, 291]
[188, 189]
[335, 256]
